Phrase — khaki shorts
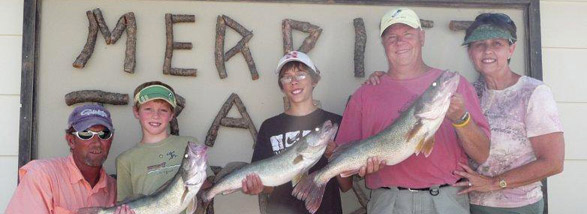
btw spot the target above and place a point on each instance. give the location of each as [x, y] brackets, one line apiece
[395, 201]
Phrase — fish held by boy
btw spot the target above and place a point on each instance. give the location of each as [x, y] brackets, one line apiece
[176, 195]
[289, 165]
[412, 132]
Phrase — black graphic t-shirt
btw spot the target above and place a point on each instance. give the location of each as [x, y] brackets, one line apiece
[281, 132]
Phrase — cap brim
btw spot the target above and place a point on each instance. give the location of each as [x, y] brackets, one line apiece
[293, 60]
[86, 124]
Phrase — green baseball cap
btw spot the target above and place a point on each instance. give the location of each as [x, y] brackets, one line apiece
[155, 92]
[488, 31]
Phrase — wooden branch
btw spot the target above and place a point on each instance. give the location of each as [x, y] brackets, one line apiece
[174, 124]
[455, 25]
[358, 190]
[178, 18]
[170, 45]
[86, 53]
[219, 47]
[310, 41]
[182, 45]
[234, 122]
[221, 118]
[97, 96]
[117, 32]
[236, 26]
[427, 23]
[287, 36]
[240, 47]
[360, 43]
[102, 25]
[131, 43]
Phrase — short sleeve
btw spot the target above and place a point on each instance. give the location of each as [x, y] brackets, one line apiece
[262, 149]
[32, 195]
[123, 179]
[542, 114]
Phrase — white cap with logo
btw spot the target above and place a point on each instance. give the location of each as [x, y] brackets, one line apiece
[298, 57]
[400, 15]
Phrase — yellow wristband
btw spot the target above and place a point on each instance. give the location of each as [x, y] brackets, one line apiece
[464, 123]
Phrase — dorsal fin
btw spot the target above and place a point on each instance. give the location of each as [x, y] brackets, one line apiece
[230, 167]
[341, 148]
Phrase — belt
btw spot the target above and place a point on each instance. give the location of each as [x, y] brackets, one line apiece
[434, 191]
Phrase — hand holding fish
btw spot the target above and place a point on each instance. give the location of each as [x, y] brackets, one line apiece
[457, 109]
[329, 149]
[374, 164]
[252, 184]
[475, 181]
[124, 209]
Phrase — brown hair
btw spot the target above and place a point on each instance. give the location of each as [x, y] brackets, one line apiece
[295, 65]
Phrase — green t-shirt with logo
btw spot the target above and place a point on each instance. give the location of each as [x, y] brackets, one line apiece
[144, 168]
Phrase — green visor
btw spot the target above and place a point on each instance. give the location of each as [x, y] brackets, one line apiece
[485, 32]
[155, 92]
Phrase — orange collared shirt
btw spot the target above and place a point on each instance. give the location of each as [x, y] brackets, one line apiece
[57, 186]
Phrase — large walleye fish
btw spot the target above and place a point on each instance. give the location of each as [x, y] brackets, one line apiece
[289, 165]
[412, 132]
[177, 194]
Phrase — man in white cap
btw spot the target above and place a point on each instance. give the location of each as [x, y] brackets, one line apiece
[418, 184]
[298, 76]
[63, 185]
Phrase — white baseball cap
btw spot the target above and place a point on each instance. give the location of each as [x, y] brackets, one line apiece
[400, 15]
[297, 57]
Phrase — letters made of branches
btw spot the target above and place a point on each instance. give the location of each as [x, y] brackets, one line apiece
[96, 22]
[455, 25]
[221, 119]
[96, 96]
[310, 41]
[241, 47]
[171, 45]
[360, 42]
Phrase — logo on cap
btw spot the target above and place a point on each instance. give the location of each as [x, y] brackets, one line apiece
[88, 112]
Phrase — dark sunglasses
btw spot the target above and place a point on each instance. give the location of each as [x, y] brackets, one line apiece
[87, 134]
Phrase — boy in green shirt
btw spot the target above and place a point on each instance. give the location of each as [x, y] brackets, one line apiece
[156, 159]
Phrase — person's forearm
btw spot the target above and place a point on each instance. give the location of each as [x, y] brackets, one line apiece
[344, 183]
[474, 141]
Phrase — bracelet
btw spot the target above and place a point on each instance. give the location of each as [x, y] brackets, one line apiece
[464, 121]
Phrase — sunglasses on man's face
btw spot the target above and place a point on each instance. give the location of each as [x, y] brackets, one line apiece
[87, 134]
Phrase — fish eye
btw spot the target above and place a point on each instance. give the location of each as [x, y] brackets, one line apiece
[317, 129]
[186, 155]
[434, 84]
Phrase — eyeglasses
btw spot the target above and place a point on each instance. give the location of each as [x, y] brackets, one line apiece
[298, 76]
[87, 134]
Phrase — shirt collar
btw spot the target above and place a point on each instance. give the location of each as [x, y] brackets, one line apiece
[76, 176]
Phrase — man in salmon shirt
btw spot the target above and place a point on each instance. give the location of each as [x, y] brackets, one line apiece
[63, 185]
[418, 184]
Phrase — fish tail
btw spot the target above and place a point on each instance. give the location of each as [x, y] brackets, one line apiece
[310, 191]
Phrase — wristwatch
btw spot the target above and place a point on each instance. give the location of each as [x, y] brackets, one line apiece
[463, 118]
[502, 183]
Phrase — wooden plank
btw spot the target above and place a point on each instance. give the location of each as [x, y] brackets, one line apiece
[533, 41]
[28, 81]
[433, 3]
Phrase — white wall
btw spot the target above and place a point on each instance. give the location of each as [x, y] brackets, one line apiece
[564, 50]
[10, 63]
